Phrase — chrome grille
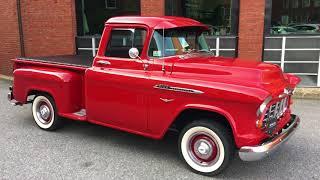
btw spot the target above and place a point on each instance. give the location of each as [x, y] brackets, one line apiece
[273, 114]
[276, 110]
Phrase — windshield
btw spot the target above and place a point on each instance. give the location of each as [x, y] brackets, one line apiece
[177, 41]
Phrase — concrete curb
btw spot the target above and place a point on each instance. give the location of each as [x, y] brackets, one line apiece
[307, 93]
[300, 93]
[8, 78]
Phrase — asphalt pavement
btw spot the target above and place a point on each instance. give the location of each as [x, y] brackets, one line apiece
[86, 151]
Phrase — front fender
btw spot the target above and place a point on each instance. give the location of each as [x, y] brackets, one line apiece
[240, 116]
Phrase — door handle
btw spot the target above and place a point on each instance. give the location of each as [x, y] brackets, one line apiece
[103, 62]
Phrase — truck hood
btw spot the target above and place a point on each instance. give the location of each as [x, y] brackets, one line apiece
[207, 68]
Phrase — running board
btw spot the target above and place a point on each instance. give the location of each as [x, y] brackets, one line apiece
[82, 112]
[79, 116]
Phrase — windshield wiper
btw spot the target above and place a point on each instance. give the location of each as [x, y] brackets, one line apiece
[207, 51]
[200, 51]
[189, 51]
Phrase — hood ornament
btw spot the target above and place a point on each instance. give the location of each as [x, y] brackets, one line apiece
[286, 92]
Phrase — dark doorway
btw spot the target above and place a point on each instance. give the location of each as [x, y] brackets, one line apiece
[91, 15]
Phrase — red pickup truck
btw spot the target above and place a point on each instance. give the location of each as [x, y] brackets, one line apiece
[155, 74]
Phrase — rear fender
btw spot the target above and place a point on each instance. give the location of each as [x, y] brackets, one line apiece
[64, 86]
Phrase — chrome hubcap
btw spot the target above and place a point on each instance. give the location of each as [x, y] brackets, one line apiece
[44, 112]
[203, 149]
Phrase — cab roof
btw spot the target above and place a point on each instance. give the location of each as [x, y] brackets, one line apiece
[161, 22]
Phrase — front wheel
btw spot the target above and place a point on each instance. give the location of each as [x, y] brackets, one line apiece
[206, 147]
[44, 112]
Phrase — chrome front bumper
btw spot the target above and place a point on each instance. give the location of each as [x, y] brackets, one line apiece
[255, 153]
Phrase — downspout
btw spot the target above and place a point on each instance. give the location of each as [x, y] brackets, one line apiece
[21, 37]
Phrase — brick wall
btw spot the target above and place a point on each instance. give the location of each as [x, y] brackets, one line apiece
[49, 27]
[152, 8]
[251, 28]
[9, 35]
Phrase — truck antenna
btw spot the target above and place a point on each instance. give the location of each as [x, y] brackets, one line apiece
[163, 69]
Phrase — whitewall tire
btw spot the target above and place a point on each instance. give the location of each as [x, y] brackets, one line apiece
[206, 147]
[44, 112]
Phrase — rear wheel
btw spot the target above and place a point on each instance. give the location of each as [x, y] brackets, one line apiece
[44, 112]
[206, 147]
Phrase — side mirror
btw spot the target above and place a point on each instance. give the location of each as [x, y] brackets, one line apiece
[134, 53]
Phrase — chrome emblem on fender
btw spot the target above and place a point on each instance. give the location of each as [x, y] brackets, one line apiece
[177, 89]
[166, 100]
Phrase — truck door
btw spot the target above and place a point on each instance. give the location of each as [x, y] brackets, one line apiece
[116, 85]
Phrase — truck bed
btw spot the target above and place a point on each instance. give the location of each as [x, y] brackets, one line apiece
[66, 60]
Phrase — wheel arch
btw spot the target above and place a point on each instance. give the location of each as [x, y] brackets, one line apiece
[193, 112]
[35, 92]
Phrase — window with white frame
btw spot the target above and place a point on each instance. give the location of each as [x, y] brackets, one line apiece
[294, 17]
[295, 3]
[293, 38]
[92, 14]
[111, 4]
[221, 16]
[305, 3]
[285, 4]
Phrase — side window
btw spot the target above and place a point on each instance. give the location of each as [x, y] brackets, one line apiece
[121, 40]
[155, 46]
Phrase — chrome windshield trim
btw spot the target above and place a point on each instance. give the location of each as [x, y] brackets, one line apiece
[177, 89]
